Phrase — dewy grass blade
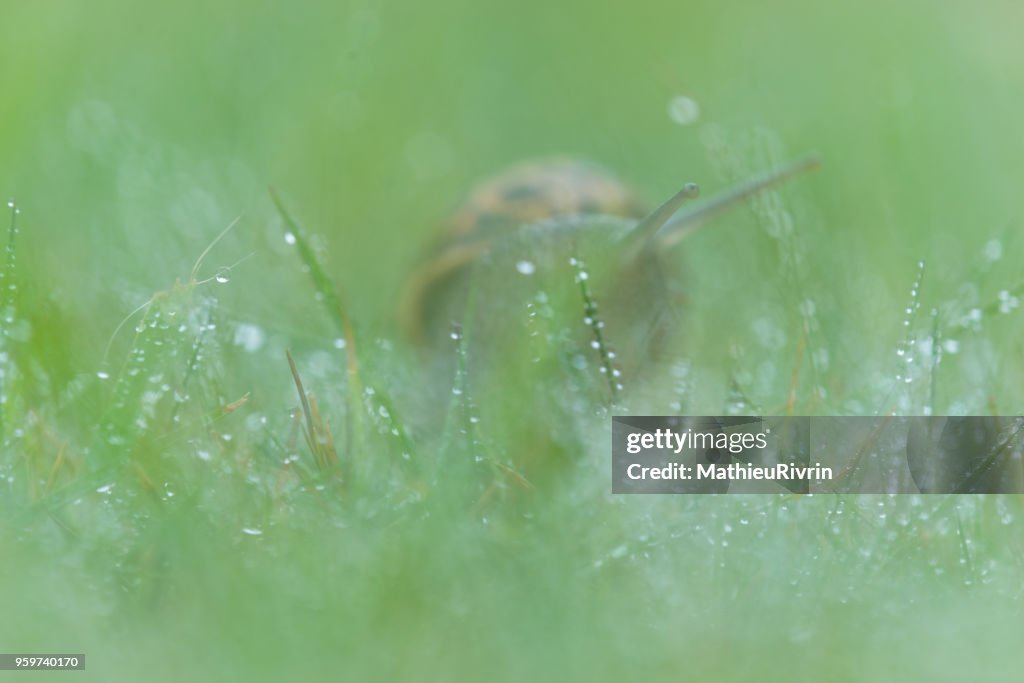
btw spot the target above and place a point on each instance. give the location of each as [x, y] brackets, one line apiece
[322, 283]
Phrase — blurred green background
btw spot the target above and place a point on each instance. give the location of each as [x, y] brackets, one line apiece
[131, 134]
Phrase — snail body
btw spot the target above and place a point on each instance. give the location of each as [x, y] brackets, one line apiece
[518, 234]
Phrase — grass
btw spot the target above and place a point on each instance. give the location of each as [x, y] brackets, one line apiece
[256, 476]
[182, 524]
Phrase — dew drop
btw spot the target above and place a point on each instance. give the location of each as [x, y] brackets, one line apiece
[223, 276]
[526, 267]
[993, 250]
[250, 337]
[103, 375]
[1007, 302]
[289, 238]
[683, 110]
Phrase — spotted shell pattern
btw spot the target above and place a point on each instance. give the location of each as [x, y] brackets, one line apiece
[532, 191]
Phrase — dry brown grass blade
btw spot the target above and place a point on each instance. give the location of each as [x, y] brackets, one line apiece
[303, 399]
[514, 476]
[794, 380]
[318, 436]
[235, 405]
[325, 450]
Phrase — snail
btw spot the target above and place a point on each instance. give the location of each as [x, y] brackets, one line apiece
[518, 231]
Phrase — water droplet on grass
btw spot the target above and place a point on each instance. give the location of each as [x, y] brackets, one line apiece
[1007, 302]
[993, 250]
[249, 337]
[250, 531]
[223, 276]
[289, 238]
[683, 110]
[526, 267]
